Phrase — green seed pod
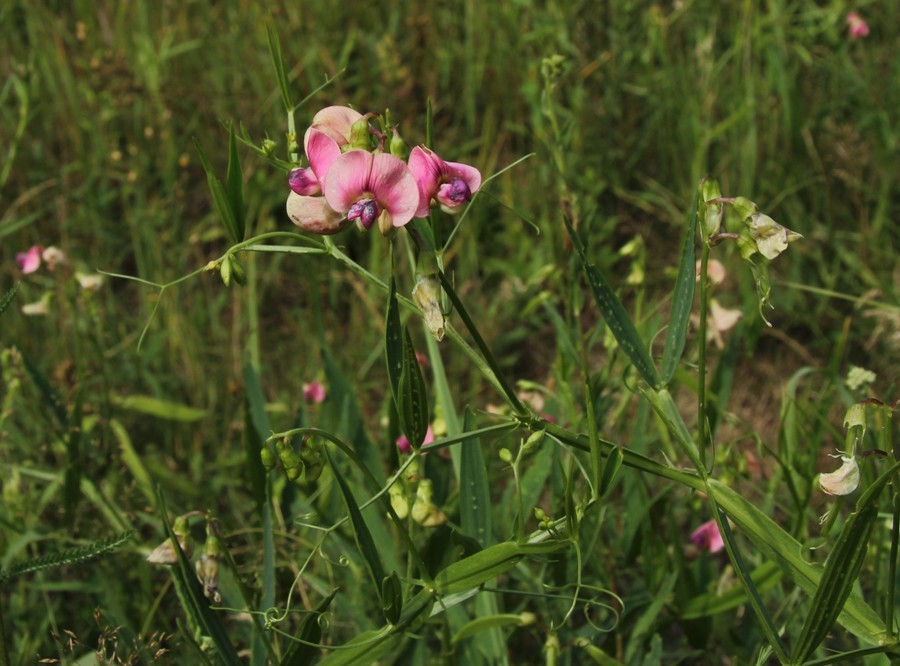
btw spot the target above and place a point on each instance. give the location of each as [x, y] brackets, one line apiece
[225, 271]
[237, 272]
[506, 456]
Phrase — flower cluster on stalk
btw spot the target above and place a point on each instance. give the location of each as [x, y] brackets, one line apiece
[352, 178]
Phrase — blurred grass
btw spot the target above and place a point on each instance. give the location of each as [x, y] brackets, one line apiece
[99, 102]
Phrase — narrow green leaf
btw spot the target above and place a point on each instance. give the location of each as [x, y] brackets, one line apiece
[392, 597]
[278, 66]
[49, 396]
[775, 544]
[191, 594]
[610, 471]
[219, 198]
[682, 299]
[163, 409]
[300, 653]
[412, 406]
[361, 533]
[393, 342]
[429, 125]
[366, 648]
[483, 624]
[8, 296]
[841, 570]
[474, 490]
[489, 563]
[648, 618]
[234, 185]
[615, 315]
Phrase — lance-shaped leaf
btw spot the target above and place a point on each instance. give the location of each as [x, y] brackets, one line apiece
[220, 199]
[393, 342]
[412, 403]
[364, 540]
[194, 603]
[615, 315]
[474, 489]
[683, 298]
[841, 570]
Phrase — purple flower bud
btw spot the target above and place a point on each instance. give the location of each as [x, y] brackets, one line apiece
[303, 182]
[365, 212]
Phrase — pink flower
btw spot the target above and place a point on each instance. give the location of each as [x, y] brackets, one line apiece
[450, 183]
[30, 260]
[707, 537]
[330, 132]
[313, 214]
[858, 26]
[404, 445]
[369, 188]
[314, 392]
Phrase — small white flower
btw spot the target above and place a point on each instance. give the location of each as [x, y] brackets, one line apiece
[89, 281]
[771, 238]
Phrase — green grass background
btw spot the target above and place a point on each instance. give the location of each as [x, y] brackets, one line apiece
[100, 101]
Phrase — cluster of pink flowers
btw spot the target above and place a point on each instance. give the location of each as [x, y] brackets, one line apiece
[348, 180]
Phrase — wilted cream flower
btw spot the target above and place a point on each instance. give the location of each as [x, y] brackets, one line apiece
[771, 238]
[842, 481]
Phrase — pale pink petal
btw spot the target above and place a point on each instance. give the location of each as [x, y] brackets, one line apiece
[335, 122]
[30, 261]
[322, 151]
[425, 167]
[54, 257]
[394, 187]
[313, 214]
[348, 179]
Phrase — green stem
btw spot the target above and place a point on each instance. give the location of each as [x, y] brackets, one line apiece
[892, 564]
[702, 434]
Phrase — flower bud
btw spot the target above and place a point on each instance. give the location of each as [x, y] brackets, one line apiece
[225, 271]
[399, 502]
[427, 295]
[268, 147]
[715, 211]
[267, 458]
[506, 456]
[237, 271]
[359, 133]
[398, 146]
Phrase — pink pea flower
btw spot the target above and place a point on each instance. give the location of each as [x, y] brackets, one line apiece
[450, 183]
[404, 445]
[313, 214]
[708, 537]
[371, 188]
[314, 392]
[858, 26]
[30, 260]
[331, 130]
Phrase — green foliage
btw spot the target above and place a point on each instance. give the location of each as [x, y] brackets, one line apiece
[620, 109]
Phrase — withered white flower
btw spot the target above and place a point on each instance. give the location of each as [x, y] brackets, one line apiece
[771, 238]
[843, 480]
